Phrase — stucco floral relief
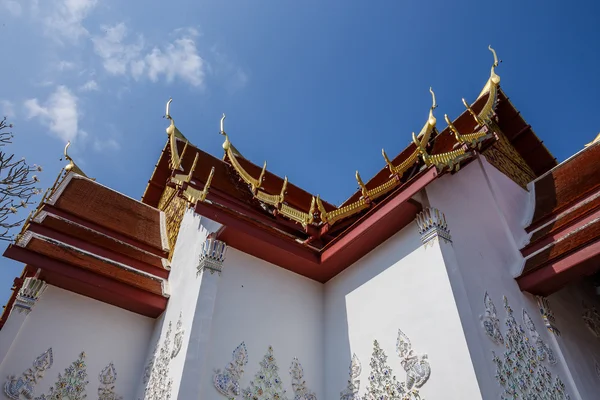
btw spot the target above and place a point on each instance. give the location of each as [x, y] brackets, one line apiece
[520, 368]
[266, 384]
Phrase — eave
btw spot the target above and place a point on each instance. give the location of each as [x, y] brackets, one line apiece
[372, 229]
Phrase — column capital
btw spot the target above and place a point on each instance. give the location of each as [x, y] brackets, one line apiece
[212, 255]
[432, 225]
[29, 294]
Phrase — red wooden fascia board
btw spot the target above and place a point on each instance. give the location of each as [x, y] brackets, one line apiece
[107, 290]
[380, 213]
[99, 251]
[372, 229]
[220, 215]
[552, 277]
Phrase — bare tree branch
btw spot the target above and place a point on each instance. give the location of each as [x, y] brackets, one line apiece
[17, 184]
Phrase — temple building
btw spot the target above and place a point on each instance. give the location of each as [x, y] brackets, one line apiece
[466, 268]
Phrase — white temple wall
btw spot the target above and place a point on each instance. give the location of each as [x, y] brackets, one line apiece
[185, 286]
[263, 305]
[399, 285]
[70, 324]
[579, 346]
[484, 212]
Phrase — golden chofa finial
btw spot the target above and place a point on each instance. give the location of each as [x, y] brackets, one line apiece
[223, 124]
[72, 167]
[172, 129]
[597, 140]
[431, 121]
[168, 111]
[493, 76]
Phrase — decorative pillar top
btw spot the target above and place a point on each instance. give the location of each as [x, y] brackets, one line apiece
[212, 255]
[29, 294]
[432, 224]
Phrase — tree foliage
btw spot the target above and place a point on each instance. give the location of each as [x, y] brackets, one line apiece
[17, 184]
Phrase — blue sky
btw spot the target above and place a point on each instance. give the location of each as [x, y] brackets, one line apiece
[316, 88]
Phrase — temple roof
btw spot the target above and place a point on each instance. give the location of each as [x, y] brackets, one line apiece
[235, 191]
[89, 239]
[565, 225]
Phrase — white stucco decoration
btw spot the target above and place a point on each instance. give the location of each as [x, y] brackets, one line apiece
[212, 255]
[491, 323]
[150, 364]
[178, 338]
[416, 366]
[351, 391]
[227, 382]
[382, 382]
[591, 318]
[266, 384]
[301, 392]
[547, 315]
[108, 378]
[15, 387]
[71, 384]
[159, 386]
[432, 225]
[520, 370]
[544, 352]
[29, 294]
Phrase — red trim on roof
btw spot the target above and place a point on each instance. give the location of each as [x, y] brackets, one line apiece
[91, 284]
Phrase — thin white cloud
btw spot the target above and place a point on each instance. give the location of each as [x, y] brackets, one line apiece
[89, 86]
[7, 109]
[117, 55]
[64, 18]
[101, 145]
[59, 113]
[12, 6]
[177, 60]
[66, 65]
[233, 77]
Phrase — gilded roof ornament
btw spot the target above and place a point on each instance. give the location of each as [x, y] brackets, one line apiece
[450, 160]
[172, 129]
[232, 154]
[174, 134]
[72, 167]
[424, 135]
[472, 139]
[487, 112]
[597, 140]
[194, 195]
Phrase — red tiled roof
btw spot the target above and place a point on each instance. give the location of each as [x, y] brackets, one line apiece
[561, 187]
[100, 205]
[94, 241]
[565, 224]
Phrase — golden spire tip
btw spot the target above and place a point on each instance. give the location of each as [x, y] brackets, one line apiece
[168, 110]
[434, 104]
[223, 123]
